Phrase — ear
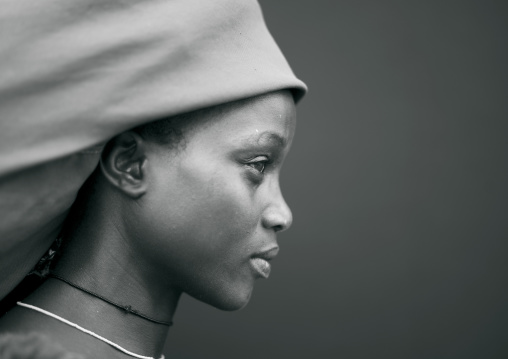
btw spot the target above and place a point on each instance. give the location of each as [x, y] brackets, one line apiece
[122, 164]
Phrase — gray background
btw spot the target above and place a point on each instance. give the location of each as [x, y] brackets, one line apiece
[398, 185]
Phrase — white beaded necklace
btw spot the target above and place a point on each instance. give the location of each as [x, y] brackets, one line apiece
[89, 332]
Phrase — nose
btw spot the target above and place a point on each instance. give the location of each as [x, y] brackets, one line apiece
[277, 215]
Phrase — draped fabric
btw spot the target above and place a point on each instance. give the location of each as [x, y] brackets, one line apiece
[73, 74]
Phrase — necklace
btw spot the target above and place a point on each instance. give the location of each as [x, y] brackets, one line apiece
[127, 309]
[89, 332]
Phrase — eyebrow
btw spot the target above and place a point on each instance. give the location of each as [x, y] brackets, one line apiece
[268, 136]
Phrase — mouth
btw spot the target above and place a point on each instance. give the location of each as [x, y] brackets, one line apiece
[260, 262]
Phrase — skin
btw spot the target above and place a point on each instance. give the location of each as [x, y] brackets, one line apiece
[164, 220]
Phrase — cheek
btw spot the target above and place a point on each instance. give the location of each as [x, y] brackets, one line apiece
[201, 219]
[215, 201]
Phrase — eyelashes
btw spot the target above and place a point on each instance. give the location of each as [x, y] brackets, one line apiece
[258, 164]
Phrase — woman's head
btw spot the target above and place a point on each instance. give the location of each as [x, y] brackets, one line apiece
[197, 197]
[114, 69]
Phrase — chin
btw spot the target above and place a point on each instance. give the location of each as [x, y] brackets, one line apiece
[226, 299]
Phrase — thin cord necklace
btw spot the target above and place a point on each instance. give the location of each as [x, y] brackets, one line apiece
[89, 332]
[127, 309]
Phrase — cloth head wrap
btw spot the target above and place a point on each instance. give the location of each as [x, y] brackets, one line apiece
[73, 74]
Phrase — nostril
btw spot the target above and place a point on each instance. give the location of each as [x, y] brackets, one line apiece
[278, 228]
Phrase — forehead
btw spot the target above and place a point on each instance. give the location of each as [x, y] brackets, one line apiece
[271, 117]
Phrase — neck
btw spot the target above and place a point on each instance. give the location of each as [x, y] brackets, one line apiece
[128, 331]
[98, 259]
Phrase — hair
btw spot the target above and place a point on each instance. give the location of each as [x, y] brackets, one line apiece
[171, 131]
[167, 131]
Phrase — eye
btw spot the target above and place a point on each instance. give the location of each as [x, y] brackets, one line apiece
[258, 163]
[258, 166]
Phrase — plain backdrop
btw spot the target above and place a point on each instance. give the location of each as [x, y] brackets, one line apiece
[398, 184]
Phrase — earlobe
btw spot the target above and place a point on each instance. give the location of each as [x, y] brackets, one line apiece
[122, 164]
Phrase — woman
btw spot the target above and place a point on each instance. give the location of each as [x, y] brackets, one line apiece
[186, 204]
[75, 74]
[196, 214]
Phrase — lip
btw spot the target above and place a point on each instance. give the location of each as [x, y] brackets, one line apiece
[259, 262]
[268, 254]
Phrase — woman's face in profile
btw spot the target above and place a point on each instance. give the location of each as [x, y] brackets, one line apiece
[209, 218]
